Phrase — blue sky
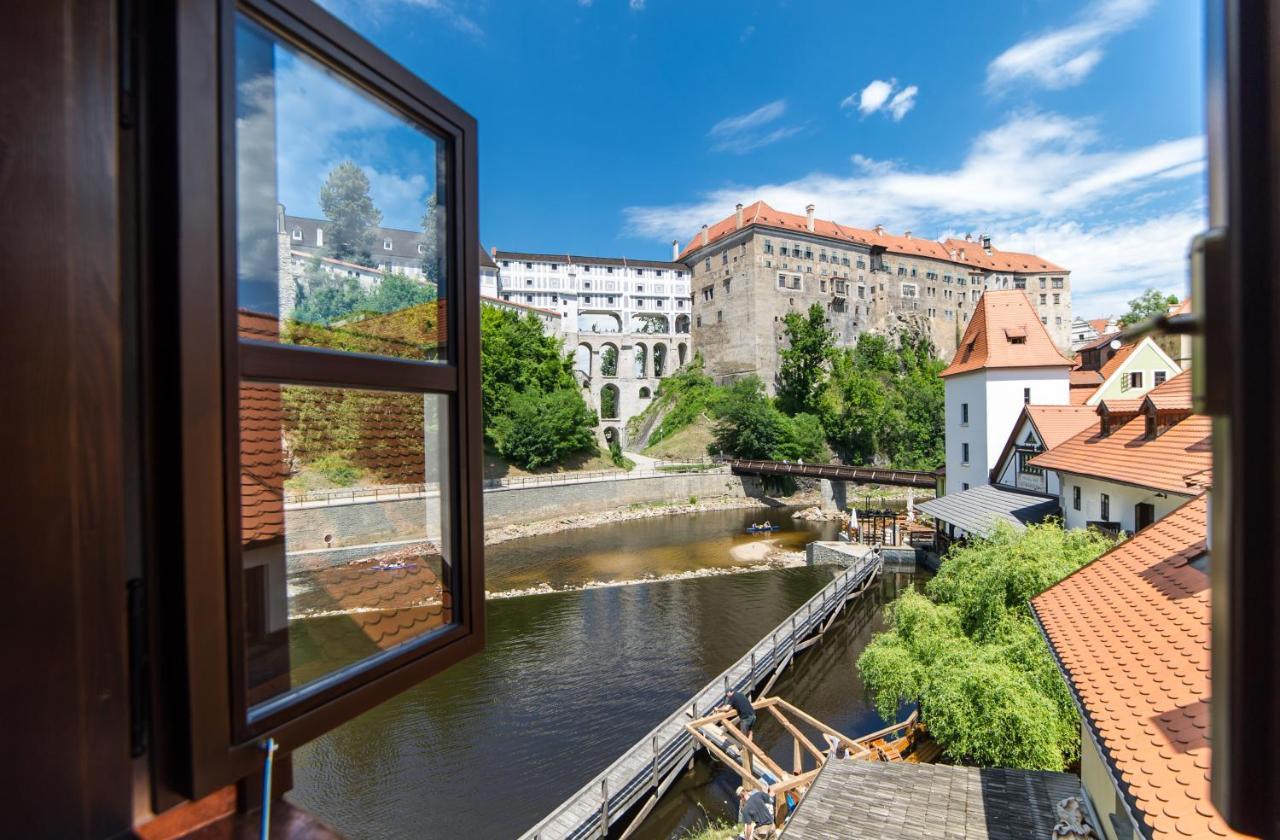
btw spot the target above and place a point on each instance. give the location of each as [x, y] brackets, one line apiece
[611, 127]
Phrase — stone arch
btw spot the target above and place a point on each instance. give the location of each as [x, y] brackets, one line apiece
[644, 393]
[610, 403]
[599, 322]
[609, 360]
[682, 324]
[682, 353]
[650, 323]
[659, 360]
[582, 359]
[641, 357]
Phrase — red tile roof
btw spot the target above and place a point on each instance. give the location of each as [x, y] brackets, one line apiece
[1126, 456]
[262, 463]
[1084, 378]
[1116, 360]
[999, 317]
[1080, 396]
[1173, 394]
[1056, 424]
[1131, 634]
[958, 251]
[1105, 338]
[1099, 324]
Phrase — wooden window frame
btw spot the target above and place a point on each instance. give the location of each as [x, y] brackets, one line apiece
[219, 742]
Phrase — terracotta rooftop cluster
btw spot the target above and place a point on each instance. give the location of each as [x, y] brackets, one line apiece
[960, 251]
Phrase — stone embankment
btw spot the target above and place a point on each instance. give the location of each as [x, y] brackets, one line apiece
[494, 536]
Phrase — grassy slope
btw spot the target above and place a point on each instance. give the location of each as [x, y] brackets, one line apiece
[689, 442]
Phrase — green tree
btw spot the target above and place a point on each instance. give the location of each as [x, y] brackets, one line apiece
[968, 652]
[609, 361]
[749, 425]
[523, 369]
[327, 298]
[540, 429]
[397, 292]
[802, 370]
[682, 398]
[1149, 304]
[348, 205]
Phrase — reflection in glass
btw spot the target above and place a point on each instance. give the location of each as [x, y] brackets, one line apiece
[340, 209]
[344, 528]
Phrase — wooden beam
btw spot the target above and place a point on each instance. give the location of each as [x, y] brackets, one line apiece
[799, 736]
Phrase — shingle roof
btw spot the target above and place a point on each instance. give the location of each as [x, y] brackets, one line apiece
[1100, 340]
[486, 261]
[998, 318]
[1128, 457]
[404, 243]
[880, 800]
[978, 509]
[1131, 634]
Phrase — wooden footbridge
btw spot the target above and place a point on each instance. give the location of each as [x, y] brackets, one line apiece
[639, 778]
[837, 472]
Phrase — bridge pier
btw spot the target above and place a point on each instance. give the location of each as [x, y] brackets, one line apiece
[835, 495]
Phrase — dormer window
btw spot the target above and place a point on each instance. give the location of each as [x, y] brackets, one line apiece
[297, 234]
[1152, 430]
[422, 249]
[386, 244]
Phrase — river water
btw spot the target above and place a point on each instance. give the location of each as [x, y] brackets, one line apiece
[571, 679]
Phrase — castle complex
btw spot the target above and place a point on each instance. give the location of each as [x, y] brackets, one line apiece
[751, 268]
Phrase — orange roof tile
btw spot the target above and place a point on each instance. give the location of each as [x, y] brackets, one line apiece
[1116, 405]
[1173, 394]
[1181, 308]
[999, 317]
[1056, 424]
[1130, 632]
[1099, 324]
[1126, 456]
[1116, 360]
[960, 252]
[262, 463]
[1080, 396]
[1084, 378]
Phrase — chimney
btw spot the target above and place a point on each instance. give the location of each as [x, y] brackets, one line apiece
[704, 236]
[879, 229]
[808, 213]
[738, 210]
[907, 234]
[675, 250]
[493, 253]
[968, 237]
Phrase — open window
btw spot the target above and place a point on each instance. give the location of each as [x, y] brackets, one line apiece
[296, 381]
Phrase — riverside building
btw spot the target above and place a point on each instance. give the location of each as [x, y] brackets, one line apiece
[751, 268]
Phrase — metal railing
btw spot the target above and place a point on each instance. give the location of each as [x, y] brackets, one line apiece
[667, 747]
[351, 495]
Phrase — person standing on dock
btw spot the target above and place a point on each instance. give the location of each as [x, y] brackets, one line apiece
[740, 703]
[755, 814]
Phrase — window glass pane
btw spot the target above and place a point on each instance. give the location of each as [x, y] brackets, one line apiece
[340, 210]
[344, 528]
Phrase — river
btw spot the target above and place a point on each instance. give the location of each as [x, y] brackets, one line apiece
[571, 679]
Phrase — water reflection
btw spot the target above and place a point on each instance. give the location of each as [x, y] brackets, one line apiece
[568, 681]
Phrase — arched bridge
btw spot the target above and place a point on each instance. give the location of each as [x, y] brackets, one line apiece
[836, 472]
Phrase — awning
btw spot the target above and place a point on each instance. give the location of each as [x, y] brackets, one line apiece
[976, 510]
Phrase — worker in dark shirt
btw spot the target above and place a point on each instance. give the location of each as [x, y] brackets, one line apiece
[741, 704]
[754, 813]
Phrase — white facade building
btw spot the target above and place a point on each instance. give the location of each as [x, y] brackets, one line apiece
[1006, 360]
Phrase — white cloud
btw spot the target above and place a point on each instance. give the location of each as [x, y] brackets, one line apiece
[379, 10]
[1034, 176]
[1113, 263]
[903, 101]
[747, 33]
[745, 132]
[880, 95]
[1063, 57]
[584, 3]
[637, 5]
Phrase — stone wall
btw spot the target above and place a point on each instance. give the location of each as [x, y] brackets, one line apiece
[406, 520]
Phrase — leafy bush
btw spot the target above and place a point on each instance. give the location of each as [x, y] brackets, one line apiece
[539, 429]
[750, 426]
[337, 469]
[970, 655]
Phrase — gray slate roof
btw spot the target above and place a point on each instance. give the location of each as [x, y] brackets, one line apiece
[977, 509]
[878, 800]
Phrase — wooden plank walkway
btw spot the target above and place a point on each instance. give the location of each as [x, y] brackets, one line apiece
[644, 772]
